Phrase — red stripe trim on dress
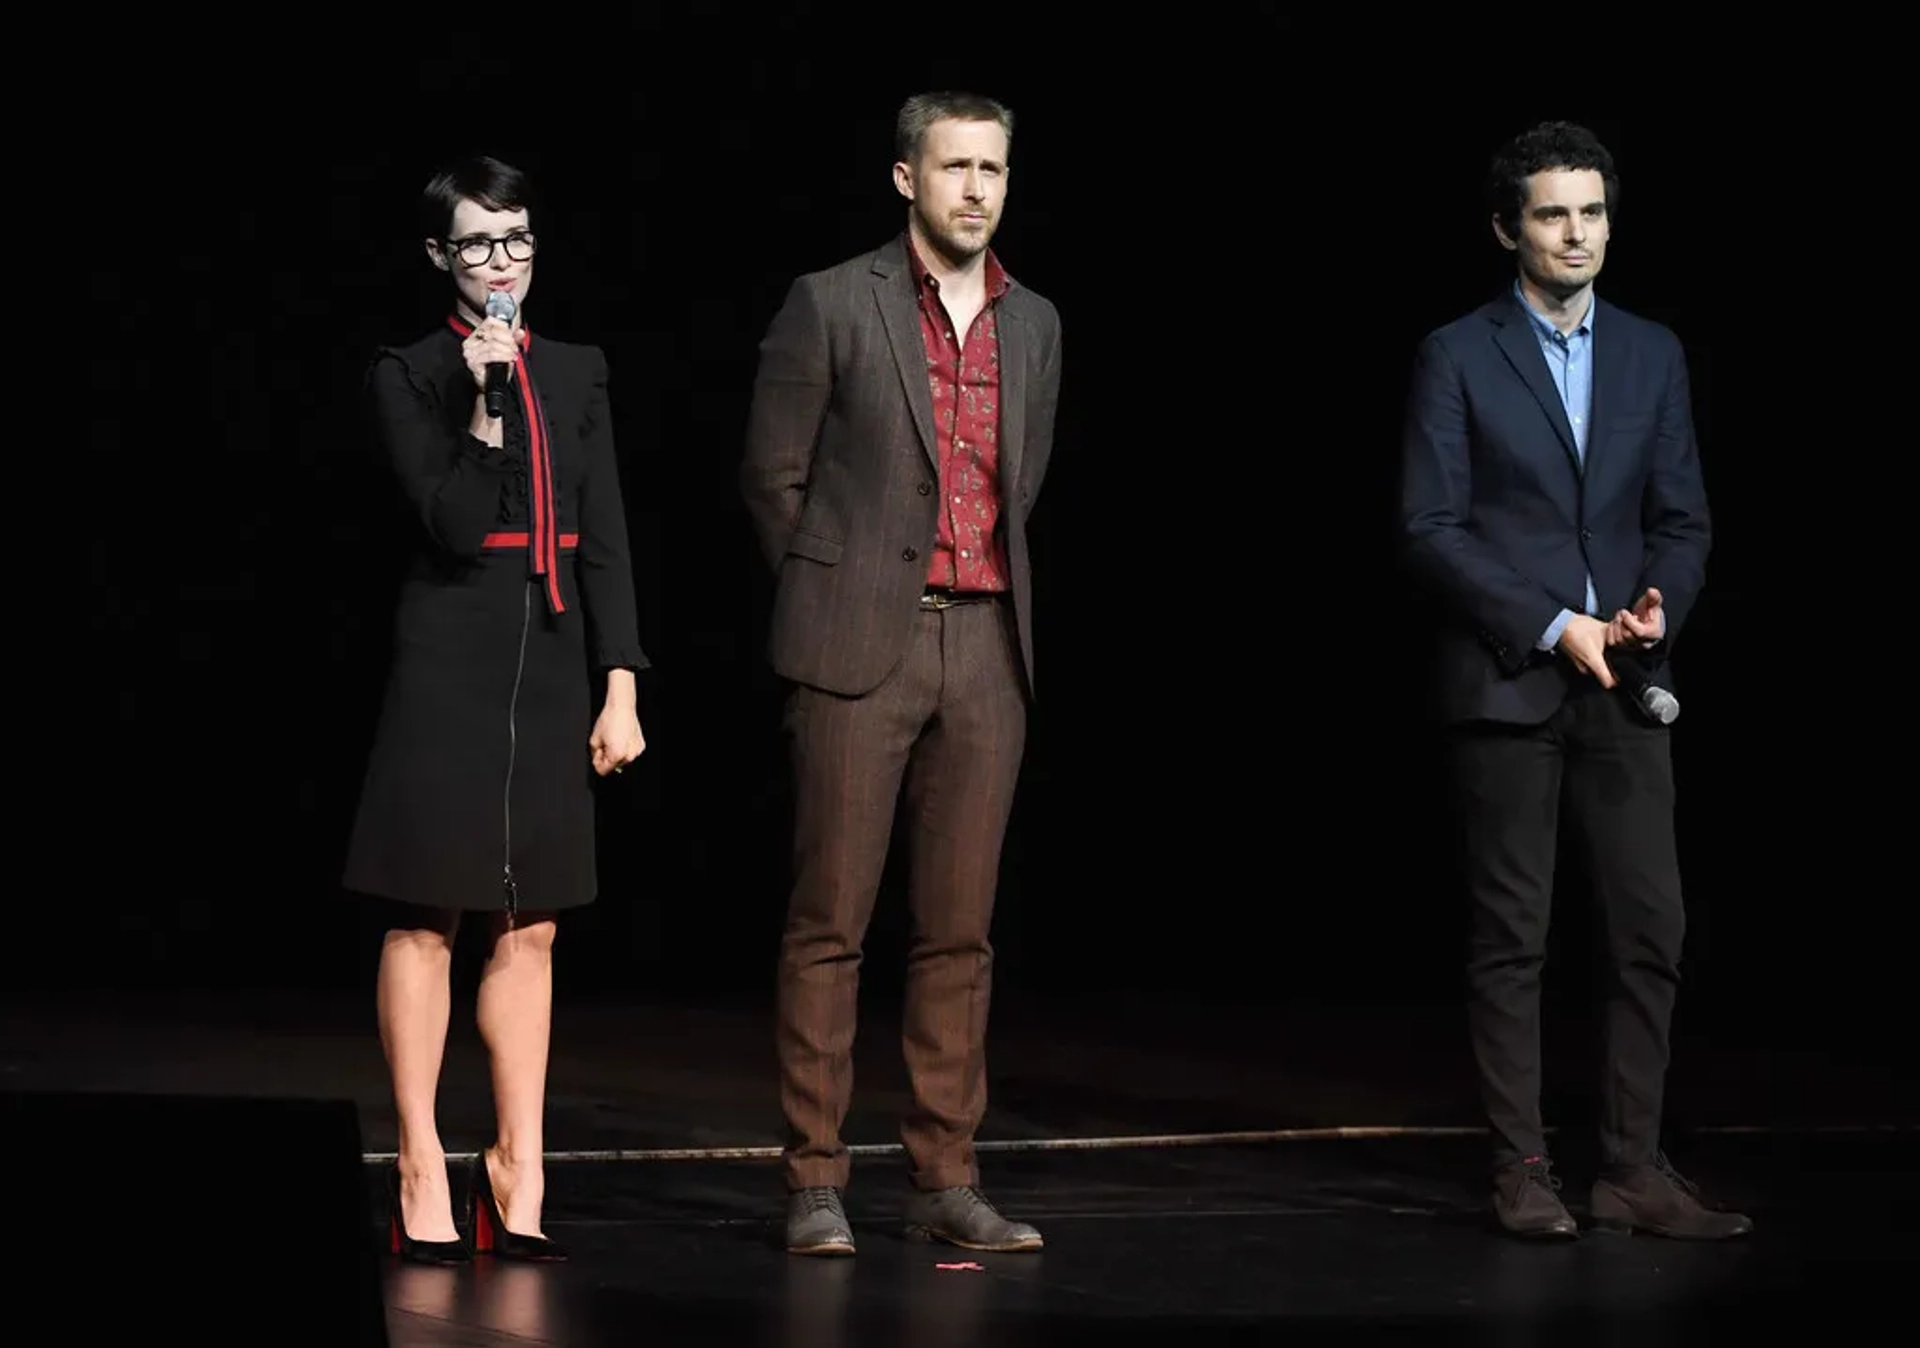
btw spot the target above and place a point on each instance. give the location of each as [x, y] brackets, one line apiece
[546, 515]
[543, 543]
[511, 539]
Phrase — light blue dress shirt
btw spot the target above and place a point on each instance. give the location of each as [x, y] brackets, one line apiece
[1570, 361]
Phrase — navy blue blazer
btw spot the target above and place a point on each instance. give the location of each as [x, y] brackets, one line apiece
[1502, 522]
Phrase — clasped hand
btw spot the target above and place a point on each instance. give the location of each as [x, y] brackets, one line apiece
[1585, 640]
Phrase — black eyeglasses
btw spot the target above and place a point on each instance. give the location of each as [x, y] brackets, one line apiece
[477, 250]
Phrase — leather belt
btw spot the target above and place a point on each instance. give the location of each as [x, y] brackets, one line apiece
[935, 601]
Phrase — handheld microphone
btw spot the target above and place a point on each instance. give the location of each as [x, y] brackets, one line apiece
[500, 305]
[1635, 679]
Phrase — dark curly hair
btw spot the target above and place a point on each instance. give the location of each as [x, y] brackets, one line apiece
[1550, 145]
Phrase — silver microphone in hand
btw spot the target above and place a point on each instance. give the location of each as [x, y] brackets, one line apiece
[1635, 678]
[500, 305]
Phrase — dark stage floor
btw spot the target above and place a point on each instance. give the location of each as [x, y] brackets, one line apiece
[1290, 1233]
[1308, 1240]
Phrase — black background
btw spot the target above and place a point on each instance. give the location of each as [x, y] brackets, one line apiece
[1246, 223]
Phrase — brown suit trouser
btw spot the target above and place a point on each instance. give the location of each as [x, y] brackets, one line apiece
[950, 723]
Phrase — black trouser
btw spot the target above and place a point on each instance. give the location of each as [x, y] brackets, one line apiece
[1613, 773]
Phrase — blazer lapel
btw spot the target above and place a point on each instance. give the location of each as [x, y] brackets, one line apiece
[1012, 331]
[892, 291]
[1521, 347]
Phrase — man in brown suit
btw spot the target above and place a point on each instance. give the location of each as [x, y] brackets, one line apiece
[901, 424]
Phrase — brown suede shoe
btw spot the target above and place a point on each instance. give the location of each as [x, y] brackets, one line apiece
[1526, 1200]
[1655, 1199]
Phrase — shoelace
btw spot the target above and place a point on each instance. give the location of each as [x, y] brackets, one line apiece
[1681, 1182]
[820, 1200]
[1541, 1173]
[978, 1199]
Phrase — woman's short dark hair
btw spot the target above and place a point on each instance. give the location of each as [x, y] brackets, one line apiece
[497, 186]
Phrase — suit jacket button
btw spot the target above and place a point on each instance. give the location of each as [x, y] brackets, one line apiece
[926, 488]
[1586, 535]
[909, 554]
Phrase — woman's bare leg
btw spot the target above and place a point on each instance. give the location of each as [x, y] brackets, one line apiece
[413, 997]
[515, 1016]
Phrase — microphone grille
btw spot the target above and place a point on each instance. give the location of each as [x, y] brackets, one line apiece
[1664, 705]
[500, 305]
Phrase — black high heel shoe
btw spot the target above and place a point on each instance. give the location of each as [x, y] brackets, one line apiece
[490, 1234]
[417, 1251]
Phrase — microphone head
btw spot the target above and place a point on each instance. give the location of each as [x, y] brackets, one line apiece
[500, 305]
[1664, 705]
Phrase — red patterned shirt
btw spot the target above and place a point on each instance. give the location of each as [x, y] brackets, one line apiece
[965, 379]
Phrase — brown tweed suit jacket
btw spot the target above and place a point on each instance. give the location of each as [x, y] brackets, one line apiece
[840, 474]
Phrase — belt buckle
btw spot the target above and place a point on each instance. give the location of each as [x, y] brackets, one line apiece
[937, 603]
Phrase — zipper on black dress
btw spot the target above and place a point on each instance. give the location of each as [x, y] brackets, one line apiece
[511, 890]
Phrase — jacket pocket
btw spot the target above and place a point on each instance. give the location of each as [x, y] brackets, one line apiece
[814, 547]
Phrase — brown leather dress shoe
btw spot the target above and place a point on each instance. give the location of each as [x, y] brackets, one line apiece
[1527, 1202]
[1656, 1199]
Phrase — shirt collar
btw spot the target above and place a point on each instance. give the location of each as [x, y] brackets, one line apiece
[1544, 325]
[998, 282]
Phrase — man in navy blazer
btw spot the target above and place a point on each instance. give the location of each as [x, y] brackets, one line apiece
[1553, 504]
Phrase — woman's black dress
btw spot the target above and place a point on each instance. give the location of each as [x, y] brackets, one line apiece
[478, 794]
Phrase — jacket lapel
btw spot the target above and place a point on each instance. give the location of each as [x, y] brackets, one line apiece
[1521, 347]
[893, 292]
